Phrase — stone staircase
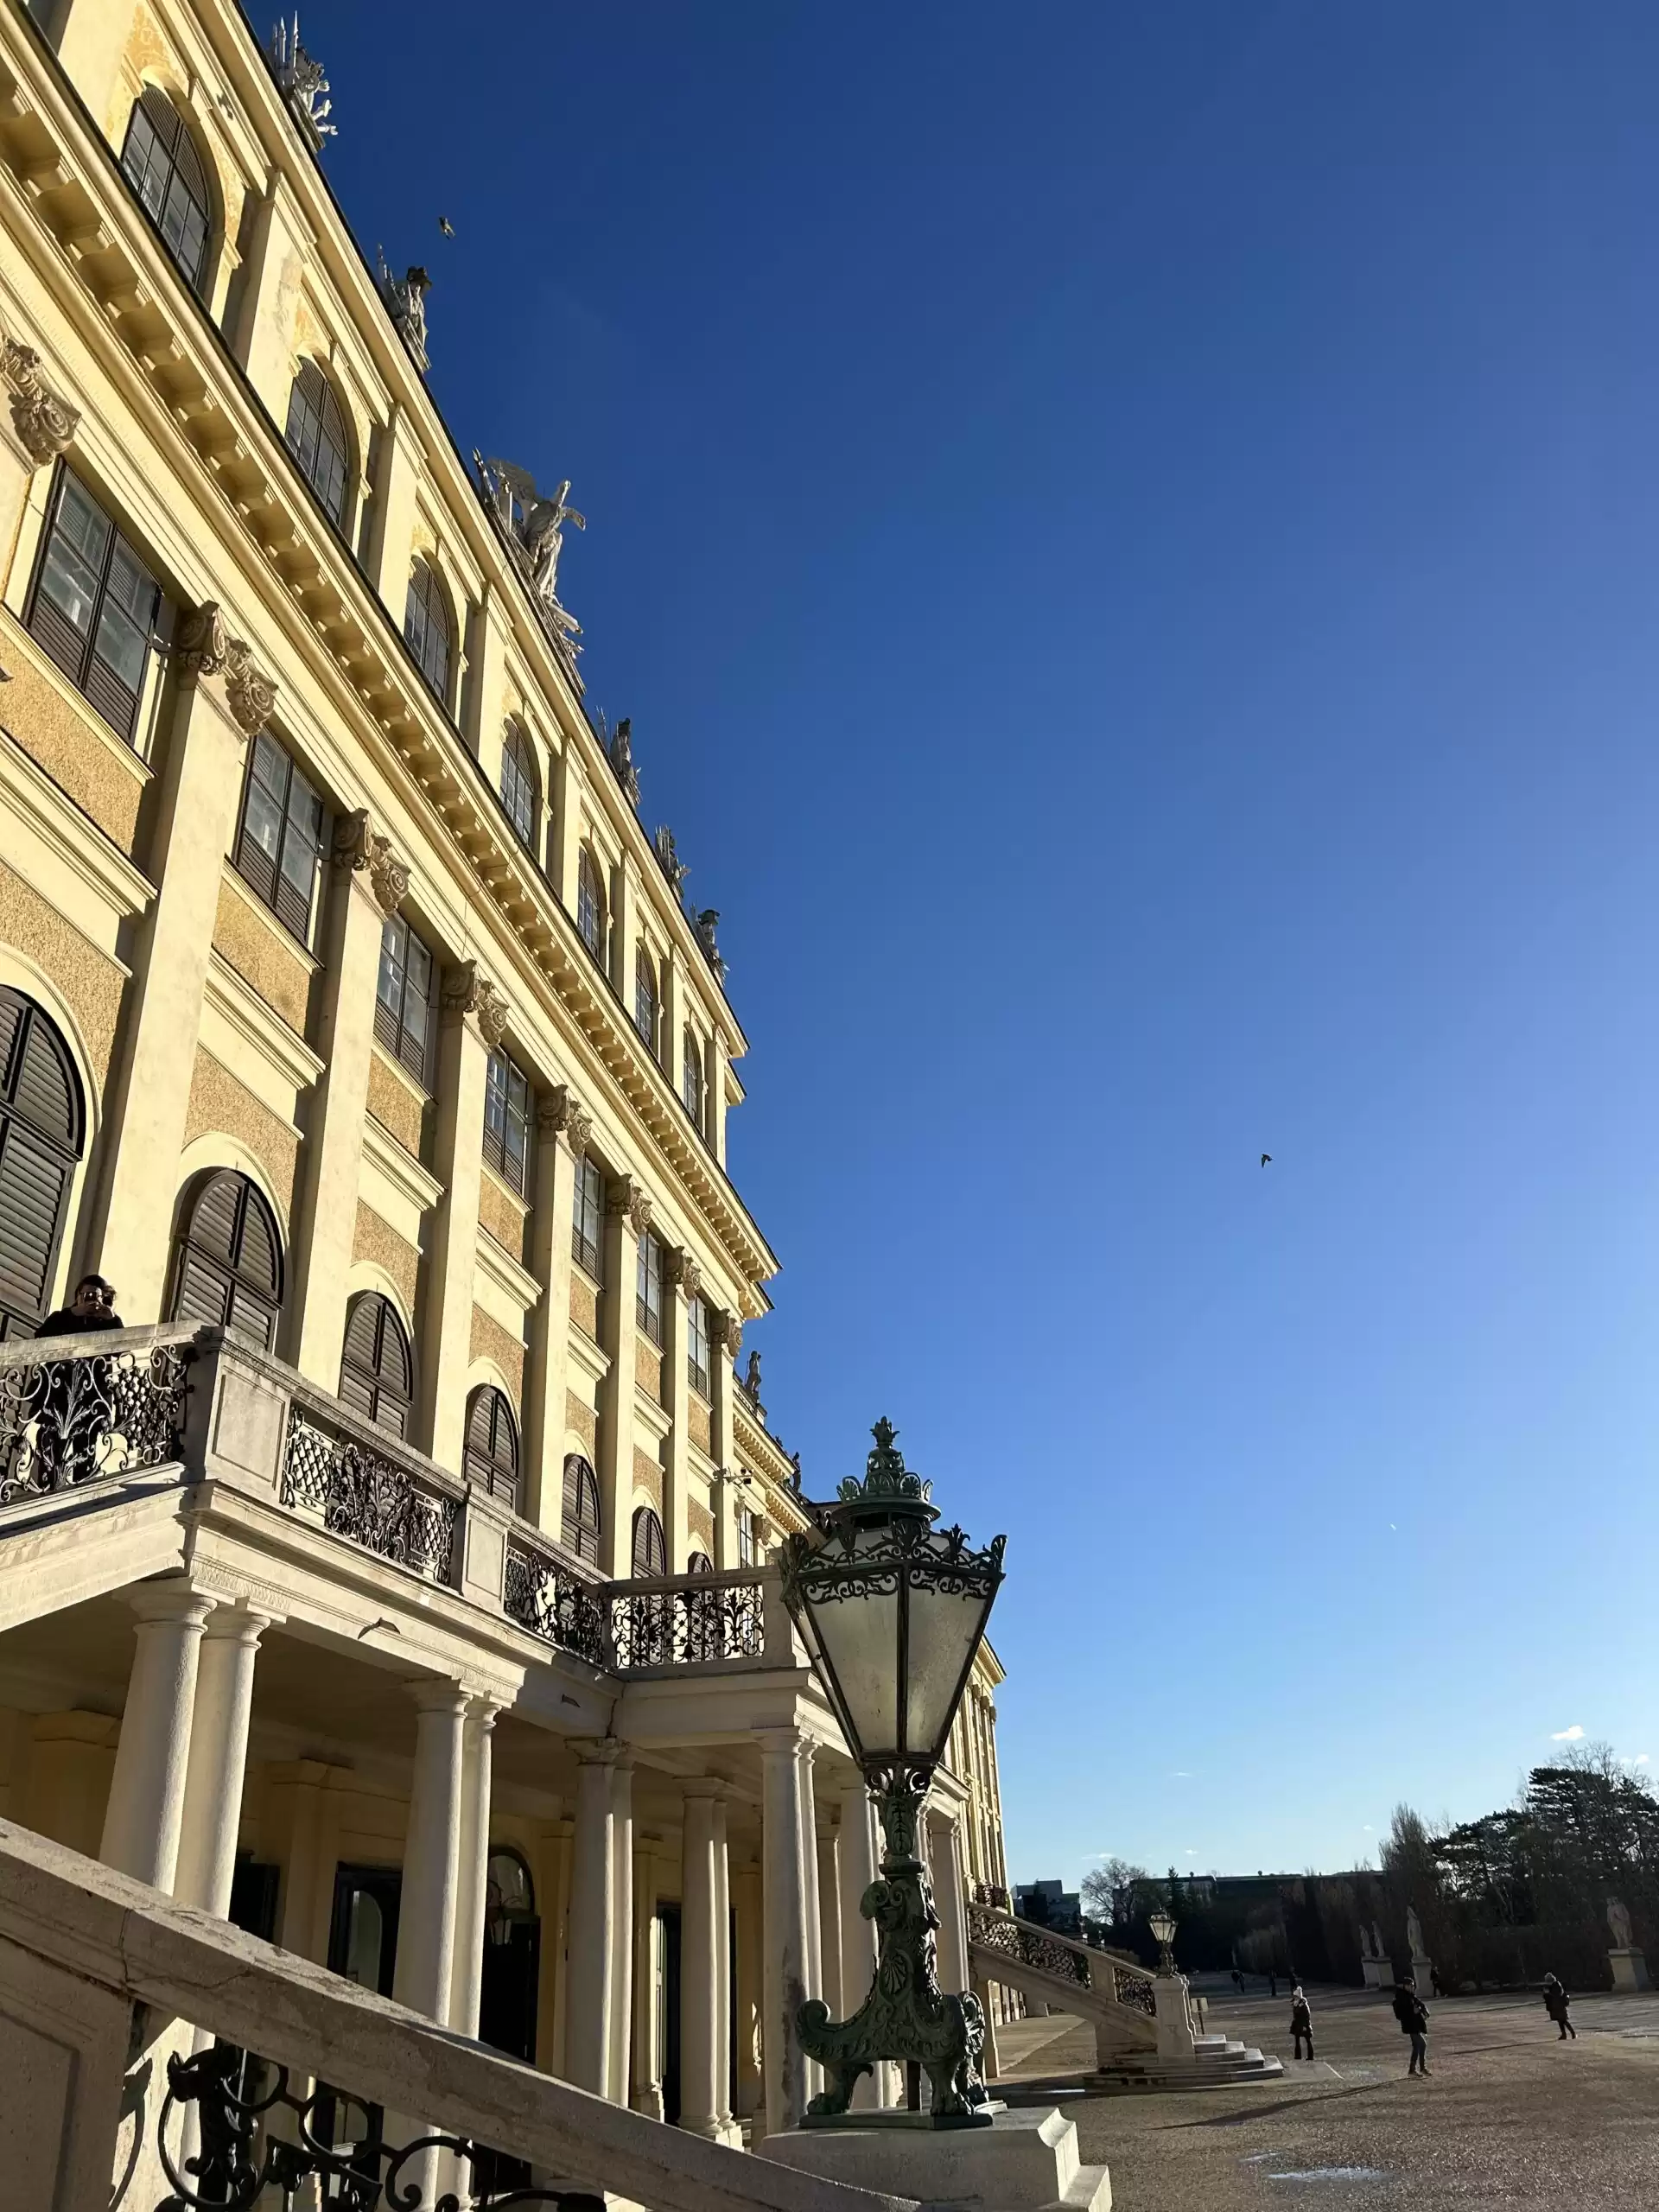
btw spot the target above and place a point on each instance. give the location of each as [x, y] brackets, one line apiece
[1143, 2023]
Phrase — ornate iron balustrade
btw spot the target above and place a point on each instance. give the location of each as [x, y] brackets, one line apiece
[73, 1417]
[1023, 1942]
[255, 2134]
[548, 1598]
[687, 1620]
[361, 1494]
[992, 1893]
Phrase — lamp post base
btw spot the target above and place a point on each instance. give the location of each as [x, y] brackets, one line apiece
[981, 2116]
[1025, 2161]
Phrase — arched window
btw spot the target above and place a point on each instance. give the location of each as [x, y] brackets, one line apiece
[645, 997]
[590, 904]
[376, 1373]
[699, 1563]
[317, 438]
[228, 1272]
[518, 785]
[42, 1127]
[580, 1526]
[691, 1076]
[165, 170]
[650, 1546]
[426, 627]
[492, 1457]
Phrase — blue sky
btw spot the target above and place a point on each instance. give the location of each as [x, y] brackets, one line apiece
[1130, 535]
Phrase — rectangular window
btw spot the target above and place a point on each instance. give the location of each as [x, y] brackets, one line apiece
[745, 1536]
[507, 1122]
[587, 1215]
[279, 841]
[94, 606]
[648, 1299]
[403, 998]
[697, 1345]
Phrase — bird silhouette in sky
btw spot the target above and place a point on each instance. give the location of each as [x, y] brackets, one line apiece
[1266, 1159]
[446, 227]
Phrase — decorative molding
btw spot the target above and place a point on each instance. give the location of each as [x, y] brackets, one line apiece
[358, 847]
[625, 1196]
[44, 421]
[206, 647]
[467, 990]
[204, 641]
[685, 1270]
[727, 1330]
[562, 1114]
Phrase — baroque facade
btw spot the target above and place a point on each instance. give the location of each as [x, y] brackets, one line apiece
[399, 1584]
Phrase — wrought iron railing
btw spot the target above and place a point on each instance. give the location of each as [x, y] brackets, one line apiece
[362, 1493]
[255, 2133]
[68, 1417]
[1026, 1944]
[545, 1594]
[686, 1620]
[992, 1893]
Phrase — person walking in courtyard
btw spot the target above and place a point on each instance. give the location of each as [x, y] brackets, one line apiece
[1556, 2001]
[1301, 2021]
[1413, 2016]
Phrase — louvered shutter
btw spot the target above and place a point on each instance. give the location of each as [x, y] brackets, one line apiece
[57, 635]
[493, 1445]
[650, 1546]
[580, 1524]
[201, 1294]
[34, 1182]
[258, 1260]
[212, 1218]
[115, 701]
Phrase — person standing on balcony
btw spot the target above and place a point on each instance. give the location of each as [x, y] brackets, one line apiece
[92, 1307]
[1301, 2021]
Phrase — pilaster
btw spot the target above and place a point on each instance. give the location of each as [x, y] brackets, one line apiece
[562, 1128]
[396, 480]
[564, 842]
[221, 701]
[621, 2005]
[685, 1277]
[366, 883]
[725, 1335]
[474, 1016]
[627, 1217]
[263, 338]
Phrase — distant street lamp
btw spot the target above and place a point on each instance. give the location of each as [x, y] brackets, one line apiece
[893, 1612]
[1163, 1924]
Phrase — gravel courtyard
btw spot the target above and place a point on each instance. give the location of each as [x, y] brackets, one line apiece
[1508, 2115]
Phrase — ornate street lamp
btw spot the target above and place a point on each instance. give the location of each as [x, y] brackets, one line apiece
[1162, 1925]
[892, 1610]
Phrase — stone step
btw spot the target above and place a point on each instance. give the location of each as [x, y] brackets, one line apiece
[1233, 2067]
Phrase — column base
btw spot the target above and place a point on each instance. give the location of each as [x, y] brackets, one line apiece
[648, 2101]
[1025, 2161]
[715, 2131]
[1629, 1969]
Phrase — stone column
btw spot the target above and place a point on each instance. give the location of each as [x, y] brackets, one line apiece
[368, 883]
[222, 699]
[699, 1967]
[562, 1128]
[624, 894]
[990, 2063]
[717, 1096]
[814, 1948]
[627, 1217]
[145, 1814]
[750, 1952]
[587, 2008]
[260, 335]
[473, 1017]
[218, 1759]
[722, 1976]
[395, 467]
[686, 1278]
[473, 1862]
[784, 1896]
[621, 2013]
[857, 1870]
[646, 2091]
[947, 1899]
[725, 1335]
[428, 1915]
[829, 1923]
[564, 842]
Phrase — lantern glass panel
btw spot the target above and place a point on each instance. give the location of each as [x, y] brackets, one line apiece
[943, 1630]
[859, 1636]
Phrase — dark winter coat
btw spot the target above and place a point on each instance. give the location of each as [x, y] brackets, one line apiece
[1556, 2001]
[1301, 2018]
[1411, 2012]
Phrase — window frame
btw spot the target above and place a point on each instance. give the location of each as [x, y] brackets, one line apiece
[499, 1478]
[588, 1200]
[518, 755]
[88, 661]
[338, 513]
[382, 1389]
[41, 1146]
[746, 1543]
[173, 172]
[698, 1367]
[505, 1081]
[647, 996]
[226, 1270]
[426, 606]
[691, 1065]
[249, 857]
[391, 1029]
[590, 903]
[581, 1479]
[649, 1272]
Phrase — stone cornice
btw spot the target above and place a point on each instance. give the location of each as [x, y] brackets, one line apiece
[201, 405]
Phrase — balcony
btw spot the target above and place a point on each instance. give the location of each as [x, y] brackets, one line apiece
[107, 1422]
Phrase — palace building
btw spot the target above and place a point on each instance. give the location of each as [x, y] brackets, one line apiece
[398, 1582]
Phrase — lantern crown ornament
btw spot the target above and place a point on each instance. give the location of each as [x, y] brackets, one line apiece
[892, 1610]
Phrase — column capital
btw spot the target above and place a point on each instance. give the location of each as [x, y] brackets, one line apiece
[706, 1786]
[483, 1710]
[467, 990]
[626, 1196]
[596, 1751]
[685, 1272]
[778, 1741]
[171, 1600]
[727, 1330]
[562, 1114]
[44, 421]
[442, 1696]
[358, 849]
[239, 1624]
[206, 648]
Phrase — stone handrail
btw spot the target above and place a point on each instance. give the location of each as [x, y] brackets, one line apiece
[1023, 1943]
[102, 1979]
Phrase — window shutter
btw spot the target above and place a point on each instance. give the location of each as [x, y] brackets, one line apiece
[259, 1261]
[650, 1547]
[212, 1221]
[115, 701]
[33, 1184]
[385, 1027]
[202, 1295]
[53, 631]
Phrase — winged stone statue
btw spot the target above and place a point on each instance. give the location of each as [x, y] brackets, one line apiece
[541, 531]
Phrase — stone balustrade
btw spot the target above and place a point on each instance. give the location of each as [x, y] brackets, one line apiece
[76, 1411]
[1023, 1943]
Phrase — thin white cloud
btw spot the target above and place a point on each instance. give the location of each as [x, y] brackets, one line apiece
[1641, 1759]
[1192, 1854]
[1572, 1735]
[1179, 1774]
[1367, 1828]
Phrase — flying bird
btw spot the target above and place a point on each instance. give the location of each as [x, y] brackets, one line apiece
[446, 227]
[1266, 1159]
